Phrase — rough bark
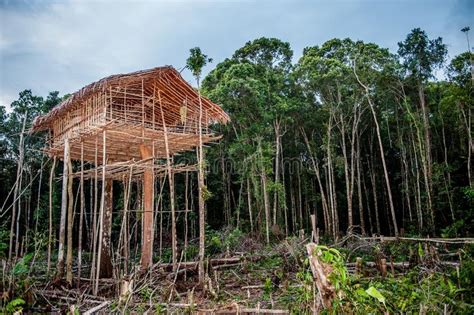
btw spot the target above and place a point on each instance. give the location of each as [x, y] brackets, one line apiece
[147, 232]
[70, 224]
[62, 220]
[106, 269]
[50, 216]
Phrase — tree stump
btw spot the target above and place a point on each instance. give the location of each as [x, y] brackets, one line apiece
[321, 271]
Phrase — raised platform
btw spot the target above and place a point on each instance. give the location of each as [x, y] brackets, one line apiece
[123, 141]
[122, 170]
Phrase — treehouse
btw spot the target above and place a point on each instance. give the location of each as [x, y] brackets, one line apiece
[134, 109]
[126, 127]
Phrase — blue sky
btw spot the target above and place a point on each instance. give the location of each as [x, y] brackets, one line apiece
[64, 45]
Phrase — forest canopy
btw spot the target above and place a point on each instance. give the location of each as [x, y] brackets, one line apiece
[349, 140]
[363, 137]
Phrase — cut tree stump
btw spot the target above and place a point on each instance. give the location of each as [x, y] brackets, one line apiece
[321, 271]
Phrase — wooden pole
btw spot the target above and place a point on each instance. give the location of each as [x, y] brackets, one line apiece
[147, 231]
[171, 184]
[101, 211]
[50, 230]
[79, 247]
[105, 267]
[70, 223]
[186, 207]
[62, 221]
[94, 220]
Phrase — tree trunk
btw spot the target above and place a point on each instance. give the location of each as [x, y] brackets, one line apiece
[348, 180]
[266, 202]
[382, 155]
[19, 172]
[429, 164]
[276, 126]
[359, 191]
[201, 188]
[249, 204]
[318, 177]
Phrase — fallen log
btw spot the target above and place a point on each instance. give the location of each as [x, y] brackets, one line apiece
[97, 308]
[194, 264]
[402, 265]
[256, 311]
[416, 239]
[229, 310]
[59, 295]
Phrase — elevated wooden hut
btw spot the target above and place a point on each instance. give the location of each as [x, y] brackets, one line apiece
[127, 125]
[134, 109]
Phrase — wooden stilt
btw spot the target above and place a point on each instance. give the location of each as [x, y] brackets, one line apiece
[50, 230]
[70, 224]
[101, 211]
[147, 231]
[105, 267]
[94, 220]
[123, 235]
[62, 221]
[171, 184]
[81, 219]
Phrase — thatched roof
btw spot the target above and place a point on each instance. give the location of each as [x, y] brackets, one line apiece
[181, 90]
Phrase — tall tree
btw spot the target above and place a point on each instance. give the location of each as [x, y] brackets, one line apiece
[421, 57]
[195, 62]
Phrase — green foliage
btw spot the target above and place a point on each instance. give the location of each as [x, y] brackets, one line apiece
[22, 267]
[373, 292]
[192, 252]
[453, 230]
[206, 194]
[4, 239]
[421, 54]
[233, 239]
[213, 241]
[196, 61]
[215, 245]
[267, 288]
[339, 275]
[406, 293]
[15, 305]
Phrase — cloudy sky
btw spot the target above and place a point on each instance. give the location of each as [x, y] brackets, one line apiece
[64, 45]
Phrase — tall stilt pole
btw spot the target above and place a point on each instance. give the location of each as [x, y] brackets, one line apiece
[70, 224]
[101, 211]
[94, 219]
[147, 231]
[105, 267]
[79, 248]
[50, 230]
[171, 184]
[62, 221]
